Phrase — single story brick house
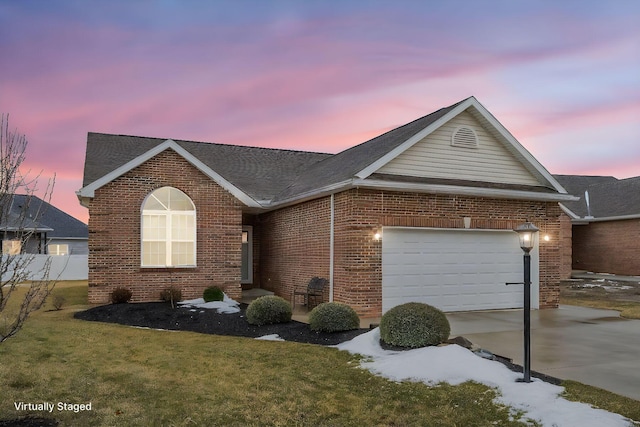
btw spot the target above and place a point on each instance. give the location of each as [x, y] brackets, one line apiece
[423, 212]
[606, 223]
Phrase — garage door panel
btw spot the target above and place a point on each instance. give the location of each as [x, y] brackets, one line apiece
[453, 270]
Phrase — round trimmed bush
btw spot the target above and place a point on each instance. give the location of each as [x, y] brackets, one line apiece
[267, 310]
[333, 317]
[414, 325]
[213, 293]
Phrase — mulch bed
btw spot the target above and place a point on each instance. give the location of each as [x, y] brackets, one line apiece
[160, 315]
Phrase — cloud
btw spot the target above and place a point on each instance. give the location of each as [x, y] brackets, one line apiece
[311, 77]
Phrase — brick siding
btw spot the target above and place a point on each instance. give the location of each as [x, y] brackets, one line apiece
[294, 246]
[299, 239]
[607, 247]
[114, 233]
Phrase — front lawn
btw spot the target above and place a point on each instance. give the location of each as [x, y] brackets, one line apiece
[145, 377]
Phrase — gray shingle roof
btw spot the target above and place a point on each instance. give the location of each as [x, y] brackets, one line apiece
[265, 175]
[608, 196]
[42, 216]
[346, 164]
[259, 172]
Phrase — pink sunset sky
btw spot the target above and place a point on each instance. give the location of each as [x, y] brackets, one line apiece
[562, 76]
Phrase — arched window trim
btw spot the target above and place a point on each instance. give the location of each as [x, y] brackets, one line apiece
[158, 233]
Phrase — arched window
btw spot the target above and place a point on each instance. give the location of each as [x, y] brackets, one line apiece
[168, 229]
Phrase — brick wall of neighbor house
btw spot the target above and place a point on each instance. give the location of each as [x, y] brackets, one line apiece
[295, 240]
[294, 246]
[607, 247]
[114, 230]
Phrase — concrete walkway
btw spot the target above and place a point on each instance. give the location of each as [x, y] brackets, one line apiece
[592, 346]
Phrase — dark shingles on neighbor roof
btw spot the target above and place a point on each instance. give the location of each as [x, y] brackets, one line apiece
[259, 172]
[42, 215]
[608, 196]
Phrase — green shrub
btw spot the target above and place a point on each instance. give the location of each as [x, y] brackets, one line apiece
[333, 317]
[171, 294]
[121, 295]
[213, 293]
[267, 310]
[414, 325]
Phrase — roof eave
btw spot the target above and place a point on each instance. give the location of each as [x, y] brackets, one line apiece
[420, 188]
[496, 193]
[587, 220]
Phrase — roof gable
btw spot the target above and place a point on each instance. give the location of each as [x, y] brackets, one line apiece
[485, 159]
[89, 190]
[252, 174]
[492, 134]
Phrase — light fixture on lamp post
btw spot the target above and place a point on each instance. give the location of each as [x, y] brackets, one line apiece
[528, 236]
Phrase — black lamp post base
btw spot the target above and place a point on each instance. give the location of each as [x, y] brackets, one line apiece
[522, 380]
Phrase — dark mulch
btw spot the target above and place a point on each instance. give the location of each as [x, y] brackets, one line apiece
[29, 421]
[160, 315]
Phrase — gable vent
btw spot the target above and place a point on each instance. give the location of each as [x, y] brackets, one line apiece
[464, 137]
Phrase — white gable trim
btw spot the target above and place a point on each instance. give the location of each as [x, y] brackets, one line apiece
[88, 192]
[469, 102]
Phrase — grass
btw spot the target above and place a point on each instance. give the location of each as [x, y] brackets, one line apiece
[600, 398]
[627, 309]
[145, 377]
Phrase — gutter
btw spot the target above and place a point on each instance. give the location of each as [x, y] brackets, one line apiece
[421, 188]
[465, 191]
[587, 220]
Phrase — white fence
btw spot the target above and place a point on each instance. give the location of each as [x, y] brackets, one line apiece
[63, 267]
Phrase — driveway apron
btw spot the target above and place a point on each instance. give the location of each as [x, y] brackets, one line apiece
[592, 346]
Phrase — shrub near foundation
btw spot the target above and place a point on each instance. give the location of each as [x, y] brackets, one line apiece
[213, 293]
[414, 325]
[120, 295]
[333, 317]
[268, 310]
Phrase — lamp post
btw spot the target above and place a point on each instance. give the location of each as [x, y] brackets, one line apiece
[528, 235]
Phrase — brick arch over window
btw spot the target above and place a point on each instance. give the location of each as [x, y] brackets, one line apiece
[168, 224]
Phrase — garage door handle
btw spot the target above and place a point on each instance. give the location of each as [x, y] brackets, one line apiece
[514, 283]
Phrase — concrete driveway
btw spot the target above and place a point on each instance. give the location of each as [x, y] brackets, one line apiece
[595, 347]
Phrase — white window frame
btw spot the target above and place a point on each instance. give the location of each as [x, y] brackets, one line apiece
[170, 217]
[59, 249]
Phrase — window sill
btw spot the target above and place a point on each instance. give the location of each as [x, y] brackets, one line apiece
[168, 269]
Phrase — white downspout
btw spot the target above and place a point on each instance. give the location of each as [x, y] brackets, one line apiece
[331, 241]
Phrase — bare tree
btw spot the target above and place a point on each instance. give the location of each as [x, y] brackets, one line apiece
[24, 284]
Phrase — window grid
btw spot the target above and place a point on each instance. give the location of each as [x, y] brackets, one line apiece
[168, 234]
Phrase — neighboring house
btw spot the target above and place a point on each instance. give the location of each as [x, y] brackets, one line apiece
[606, 223]
[50, 230]
[423, 212]
[51, 243]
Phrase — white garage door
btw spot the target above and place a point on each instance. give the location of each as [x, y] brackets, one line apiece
[454, 270]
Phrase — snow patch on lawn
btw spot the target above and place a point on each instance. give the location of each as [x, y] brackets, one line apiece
[272, 337]
[453, 364]
[226, 306]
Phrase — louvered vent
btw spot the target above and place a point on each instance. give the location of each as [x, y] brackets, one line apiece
[464, 137]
